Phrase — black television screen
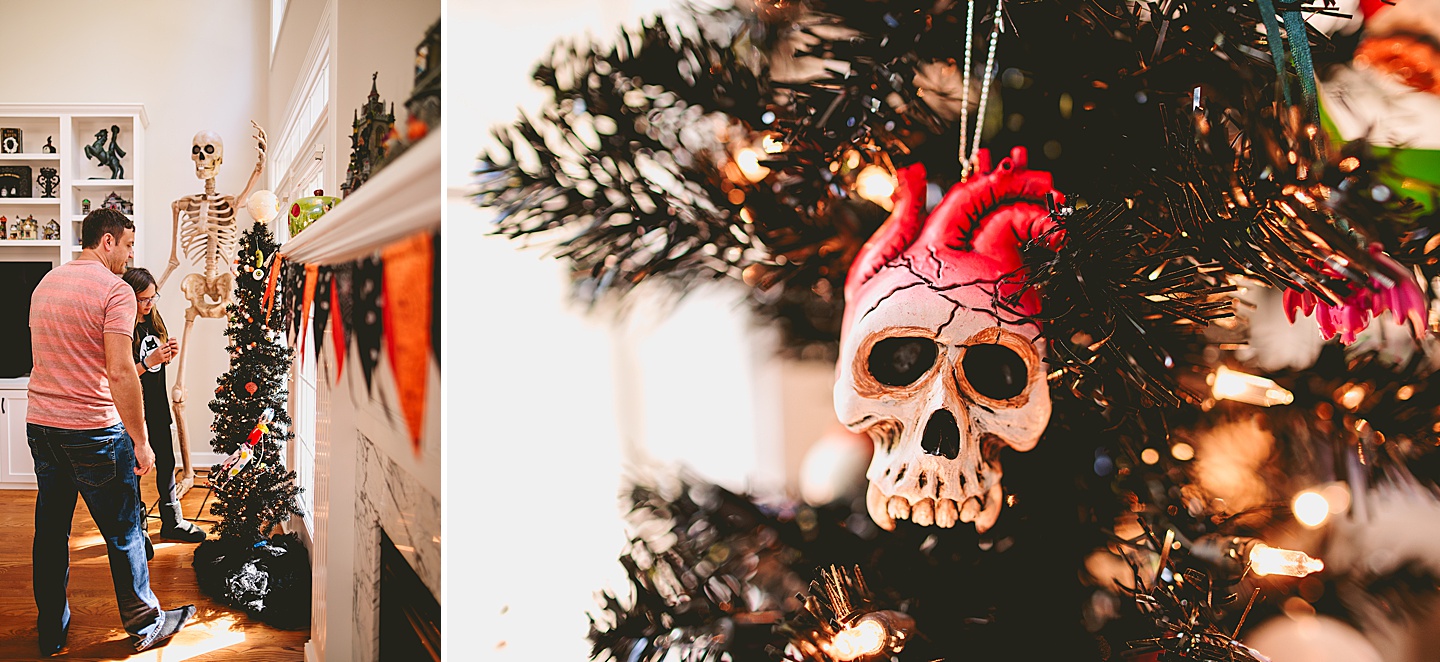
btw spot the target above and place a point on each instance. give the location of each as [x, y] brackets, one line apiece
[17, 282]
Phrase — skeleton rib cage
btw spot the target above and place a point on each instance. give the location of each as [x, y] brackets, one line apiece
[208, 230]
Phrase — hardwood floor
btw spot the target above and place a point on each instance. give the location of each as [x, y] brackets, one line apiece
[216, 633]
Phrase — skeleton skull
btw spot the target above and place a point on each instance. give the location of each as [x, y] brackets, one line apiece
[934, 367]
[208, 152]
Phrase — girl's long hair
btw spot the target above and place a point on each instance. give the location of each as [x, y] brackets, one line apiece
[140, 278]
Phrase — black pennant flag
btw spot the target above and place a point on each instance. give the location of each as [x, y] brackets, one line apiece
[369, 324]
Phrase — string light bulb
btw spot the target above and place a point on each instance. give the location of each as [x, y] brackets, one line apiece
[1267, 560]
[877, 632]
[864, 638]
[748, 160]
[877, 185]
[1227, 384]
[1310, 508]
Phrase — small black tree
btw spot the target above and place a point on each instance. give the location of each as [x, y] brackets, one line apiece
[246, 567]
[262, 493]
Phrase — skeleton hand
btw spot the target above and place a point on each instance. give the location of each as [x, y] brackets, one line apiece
[260, 145]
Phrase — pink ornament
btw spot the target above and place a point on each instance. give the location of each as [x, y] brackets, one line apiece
[1404, 300]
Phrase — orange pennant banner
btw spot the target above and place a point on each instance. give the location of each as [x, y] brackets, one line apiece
[312, 278]
[268, 301]
[407, 311]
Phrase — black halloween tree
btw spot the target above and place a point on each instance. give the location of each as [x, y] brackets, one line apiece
[254, 491]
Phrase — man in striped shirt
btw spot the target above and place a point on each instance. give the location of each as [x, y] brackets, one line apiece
[86, 429]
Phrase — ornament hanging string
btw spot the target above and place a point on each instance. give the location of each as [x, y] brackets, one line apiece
[967, 161]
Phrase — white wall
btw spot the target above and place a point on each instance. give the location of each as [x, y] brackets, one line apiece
[195, 66]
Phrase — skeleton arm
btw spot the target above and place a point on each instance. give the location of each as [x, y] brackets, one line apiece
[174, 243]
[244, 196]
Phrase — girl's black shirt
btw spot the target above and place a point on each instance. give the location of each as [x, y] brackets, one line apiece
[152, 385]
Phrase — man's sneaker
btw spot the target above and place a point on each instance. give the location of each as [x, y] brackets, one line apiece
[171, 620]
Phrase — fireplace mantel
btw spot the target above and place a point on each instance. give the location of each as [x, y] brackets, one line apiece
[367, 474]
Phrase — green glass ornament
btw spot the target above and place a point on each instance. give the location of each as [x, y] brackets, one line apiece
[307, 210]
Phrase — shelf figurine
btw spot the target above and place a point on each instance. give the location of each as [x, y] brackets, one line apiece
[108, 157]
[207, 226]
[85, 206]
[114, 201]
[3, 222]
[49, 181]
[10, 142]
[49, 147]
[52, 231]
[29, 228]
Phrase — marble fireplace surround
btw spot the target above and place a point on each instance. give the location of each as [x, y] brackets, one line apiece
[387, 497]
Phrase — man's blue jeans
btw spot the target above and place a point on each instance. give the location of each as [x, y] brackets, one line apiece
[99, 466]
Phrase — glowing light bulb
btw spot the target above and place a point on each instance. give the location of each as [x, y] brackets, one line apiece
[1149, 456]
[1267, 560]
[771, 145]
[1353, 397]
[1310, 508]
[1183, 452]
[864, 638]
[263, 206]
[1227, 384]
[748, 160]
[875, 184]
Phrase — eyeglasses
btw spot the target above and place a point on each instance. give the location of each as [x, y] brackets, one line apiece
[147, 300]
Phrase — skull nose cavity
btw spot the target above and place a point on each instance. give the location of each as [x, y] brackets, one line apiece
[942, 435]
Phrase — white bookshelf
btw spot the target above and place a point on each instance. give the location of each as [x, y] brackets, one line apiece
[73, 126]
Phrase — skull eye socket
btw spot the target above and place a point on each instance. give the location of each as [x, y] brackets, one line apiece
[902, 360]
[209, 149]
[194, 149]
[995, 371]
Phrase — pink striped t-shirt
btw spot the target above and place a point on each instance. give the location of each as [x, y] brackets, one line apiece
[72, 309]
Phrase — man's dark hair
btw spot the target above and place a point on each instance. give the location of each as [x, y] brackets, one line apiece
[101, 222]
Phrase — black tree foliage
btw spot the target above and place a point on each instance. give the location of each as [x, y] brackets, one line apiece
[262, 493]
[246, 567]
[727, 145]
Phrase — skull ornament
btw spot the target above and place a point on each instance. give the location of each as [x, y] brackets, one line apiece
[933, 366]
[208, 152]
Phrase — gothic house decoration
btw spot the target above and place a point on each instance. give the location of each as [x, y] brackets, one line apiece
[114, 201]
[423, 106]
[370, 127]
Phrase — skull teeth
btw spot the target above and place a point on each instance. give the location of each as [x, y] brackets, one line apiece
[970, 510]
[946, 515]
[923, 513]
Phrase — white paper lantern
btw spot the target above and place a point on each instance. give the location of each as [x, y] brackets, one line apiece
[264, 206]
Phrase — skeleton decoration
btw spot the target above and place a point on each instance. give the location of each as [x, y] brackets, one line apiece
[206, 227]
[933, 365]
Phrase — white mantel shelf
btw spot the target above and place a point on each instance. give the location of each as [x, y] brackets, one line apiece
[402, 199]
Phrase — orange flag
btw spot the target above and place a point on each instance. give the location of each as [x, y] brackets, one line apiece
[269, 300]
[312, 278]
[407, 311]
